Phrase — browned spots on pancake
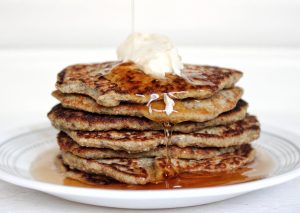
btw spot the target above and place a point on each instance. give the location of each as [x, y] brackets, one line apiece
[65, 118]
[90, 178]
[135, 136]
[237, 128]
[100, 179]
[61, 77]
[223, 162]
[145, 170]
[110, 83]
[88, 74]
[184, 110]
[66, 144]
[127, 166]
[72, 116]
[166, 168]
[130, 79]
[240, 104]
[237, 133]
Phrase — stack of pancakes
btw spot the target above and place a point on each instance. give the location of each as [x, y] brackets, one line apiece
[112, 119]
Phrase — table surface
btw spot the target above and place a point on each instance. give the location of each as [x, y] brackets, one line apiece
[31, 106]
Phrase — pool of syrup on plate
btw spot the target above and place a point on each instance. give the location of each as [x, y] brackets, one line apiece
[44, 169]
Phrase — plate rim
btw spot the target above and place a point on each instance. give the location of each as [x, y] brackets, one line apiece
[156, 194]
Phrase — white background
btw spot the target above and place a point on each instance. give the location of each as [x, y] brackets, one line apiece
[259, 37]
[94, 23]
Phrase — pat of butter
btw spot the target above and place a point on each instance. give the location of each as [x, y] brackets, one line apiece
[155, 54]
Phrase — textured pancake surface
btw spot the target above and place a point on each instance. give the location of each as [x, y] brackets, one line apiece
[64, 118]
[237, 133]
[145, 170]
[88, 178]
[66, 144]
[184, 110]
[109, 83]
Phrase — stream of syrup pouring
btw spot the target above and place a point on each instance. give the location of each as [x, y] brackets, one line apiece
[168, 127]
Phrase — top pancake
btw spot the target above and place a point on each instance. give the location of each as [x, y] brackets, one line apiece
[110, 83]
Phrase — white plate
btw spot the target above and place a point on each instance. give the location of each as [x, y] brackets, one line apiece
[18, 153]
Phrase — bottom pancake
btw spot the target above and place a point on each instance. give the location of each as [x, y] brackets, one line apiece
[87, 178]
[151, 170]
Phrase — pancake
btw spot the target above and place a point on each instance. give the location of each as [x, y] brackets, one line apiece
[64, 118]
[66, 144]
[88, 178]
[184, 110]
[110, 83]
[153, 170]
[238, 133]
[75, 174]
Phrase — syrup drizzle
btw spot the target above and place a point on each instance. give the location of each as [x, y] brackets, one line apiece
[152, 98]
[132, 16]
[169, 170]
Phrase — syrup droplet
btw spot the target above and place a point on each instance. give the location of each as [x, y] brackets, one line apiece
[169, 170]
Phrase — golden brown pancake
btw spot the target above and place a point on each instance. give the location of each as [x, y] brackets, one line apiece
[66, 144]
[238, 133]
[184, 110]
[64, 118]
[146, 170]
[110, 83]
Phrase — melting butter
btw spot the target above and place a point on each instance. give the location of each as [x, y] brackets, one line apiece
[169, 104]
[152, 98]
[155, 54]
[169, 108]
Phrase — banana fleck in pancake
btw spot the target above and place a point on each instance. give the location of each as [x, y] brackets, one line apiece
[146, 170]
[238, 133]
[184, 110]
[110, 83]
[66, 144]
[64, 118]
